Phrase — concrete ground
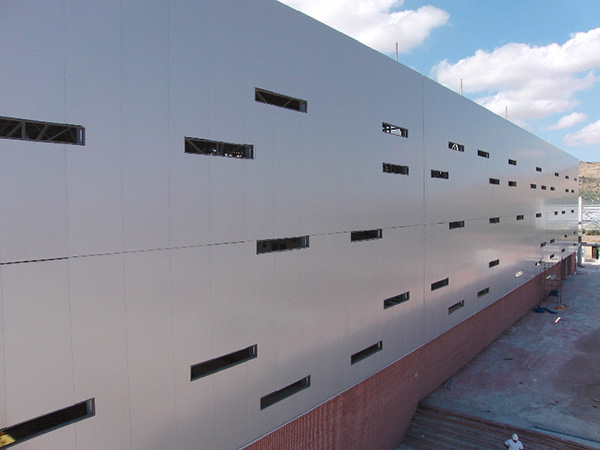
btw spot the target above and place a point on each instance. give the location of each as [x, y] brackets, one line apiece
[542, 372]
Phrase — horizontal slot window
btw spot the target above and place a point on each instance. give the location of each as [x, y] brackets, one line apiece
[543, 187]
[533, 186]
[566, 177]
[556, 174]
[456, 307]
[456, 147]
[214, 365]
[206, 147]
[48, 422]
[394, 129]
[512, 183]
[483, 292]
[369, 351]
[395, 168]
[543, 244]
[483, 154]
[458, 224]
[512, 162]
[567, 191]
[552, 241]
[440, 284]
[283, 101]
[282, 394]
[494, 263]
[36, 131]
[393, 301]
[563, 250]
[538, 215]
[562, 212]
[552, 255]
[556, 213]
[281, 245]
[520, 217]
[572, 191]
[494, 219]
[494, 181]
[538, 169]
[366, 235]
[439, 174]
[552, 188]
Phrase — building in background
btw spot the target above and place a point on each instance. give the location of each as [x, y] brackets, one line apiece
[225, 225]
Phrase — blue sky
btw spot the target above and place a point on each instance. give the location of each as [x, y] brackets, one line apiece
[537, 59]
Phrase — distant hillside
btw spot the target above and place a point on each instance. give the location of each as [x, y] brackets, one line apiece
[589, 182]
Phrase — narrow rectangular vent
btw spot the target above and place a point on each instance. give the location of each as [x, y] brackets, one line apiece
[494, 263]
[440, 284]
[282, 394]
[556, 174]
[552, 241]
[552, 256]
[494, 219]
[283, 101]
[439, 174]
[566, 177]
[520, 217]
[394, 129]
[456, 307]
[394, 168]
[494, 181]
[280, 245]
[538, 215]
[366, 235]
[572, 210]
[32, 428]
[563, 250]
[556, 213]
[574, 179]
[369, 351]
[533, 186]
[512, 162]
[512, 183]
[552, 188]
[572, 191]
[458, 224]
[393, 301]
[456, 147]
[36, 131]
[567, 191]
[562, 212]
[483, 154]
[214, 365]
[543, 244]
[543, 187]
[538, 169]
[215, 148]
[483, 292]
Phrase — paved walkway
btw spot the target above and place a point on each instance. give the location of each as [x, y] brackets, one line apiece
[542, 372]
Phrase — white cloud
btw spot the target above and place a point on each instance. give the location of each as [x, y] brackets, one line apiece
[376, 23]
[587, 135]
[532, 81]
[567, 121]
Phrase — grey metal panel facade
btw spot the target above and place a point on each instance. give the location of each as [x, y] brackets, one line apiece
[125, 261]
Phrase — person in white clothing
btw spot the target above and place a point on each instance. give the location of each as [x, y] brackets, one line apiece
[514, 443]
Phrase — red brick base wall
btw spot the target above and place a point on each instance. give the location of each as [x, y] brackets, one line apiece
[376, 413]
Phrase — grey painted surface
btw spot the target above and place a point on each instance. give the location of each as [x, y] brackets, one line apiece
[151, 261]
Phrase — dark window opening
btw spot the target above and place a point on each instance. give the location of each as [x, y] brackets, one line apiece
[36, 131]
[552, 241]
[439, 174]
[556, 213]
[543, 187]
[512, 183]
[566, 177]
[456, 307]
[567, 191]
[456, 147]
[552, 188]
[366, 235]
[563, 212]
[458, 224]
[563, 250]
[206, 147]
[552, 256]
[394, 168]
[214, 365]
[483, 154]
[538, 215]
[359, 356]
[282, 394]
[520, 217]
[572, 191]
[440, 284]
[280, 245]
[533, 186]
[394, 129]
[283, 101]
[543, 244]
[494, 181]
[48, 422]
[538, 169]
[393, 301]
[512, 162]
[494, 263]
[556, 174]
[494, 219]
[483, 292]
